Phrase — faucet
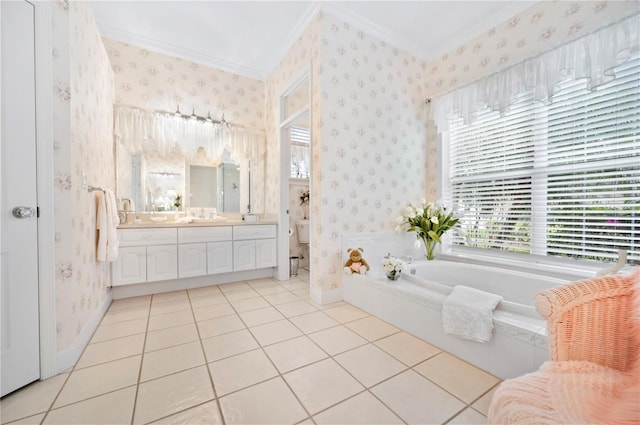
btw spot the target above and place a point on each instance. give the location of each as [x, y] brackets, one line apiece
[622, 260]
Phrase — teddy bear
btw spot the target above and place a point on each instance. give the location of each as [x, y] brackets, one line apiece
[355, 263]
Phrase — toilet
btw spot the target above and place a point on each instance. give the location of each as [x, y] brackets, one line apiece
[302, 228]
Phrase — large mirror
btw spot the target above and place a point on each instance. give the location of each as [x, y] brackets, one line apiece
[185, 177]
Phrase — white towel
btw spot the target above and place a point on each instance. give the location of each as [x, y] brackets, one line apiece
[468, 313]
[106, 225]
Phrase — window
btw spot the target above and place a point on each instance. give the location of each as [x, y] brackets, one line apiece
[560, 180]
[300, 138]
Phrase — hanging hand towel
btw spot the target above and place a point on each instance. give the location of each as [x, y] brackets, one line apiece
[468, 313]
[106, 222]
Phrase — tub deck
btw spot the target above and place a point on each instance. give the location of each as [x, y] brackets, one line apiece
[519, 343]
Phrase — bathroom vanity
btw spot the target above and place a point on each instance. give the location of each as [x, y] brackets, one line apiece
[163, 257]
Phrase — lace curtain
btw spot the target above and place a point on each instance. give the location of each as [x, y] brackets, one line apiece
[144, 130]
[591, 57]
[300, 161]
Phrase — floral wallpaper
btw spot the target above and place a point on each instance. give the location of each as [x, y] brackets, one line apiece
[155, 81]
[541, 28]
[83, 145]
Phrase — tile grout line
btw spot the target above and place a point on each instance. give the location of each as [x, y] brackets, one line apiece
[206, 363]
[279, 374]
[144, 344]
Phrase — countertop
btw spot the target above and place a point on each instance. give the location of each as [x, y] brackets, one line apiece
[209, 223]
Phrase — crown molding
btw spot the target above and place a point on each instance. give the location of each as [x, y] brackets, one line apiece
[296, 31]
[338, 11]
[112, 33]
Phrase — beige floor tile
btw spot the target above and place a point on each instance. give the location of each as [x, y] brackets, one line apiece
[468, 417]
[34, 398]
[483, 403]
[172, 394]
[346, 313]
[372, 328]
[269, 402]
[273, 332]
[169, 307]
[369, 364]
[407, 348]
[313, 322]
[124, 315]
[328, 306]
[294, 353]
[213, 311]
[230, 344]
[261, 281]
[322, 384]
[296, 308]
[97, 410]
[337, 339]
[302, 293]
[206, 300]
[220, 325]
[169, 337]
[31, 420]
[133, 302]
[362, 409]
[101, 352]
[118, 330]
[460, 378]
[295, 283]
[417, 400]
[274, 288]
[261, 316]
[241, 295]
[203, 291]
[235, 286]
[100, 379]
[169, 297]
[281, 298]
[170, 320]
[249, 304]
[204, 414]
[170, 360]
[240, 371]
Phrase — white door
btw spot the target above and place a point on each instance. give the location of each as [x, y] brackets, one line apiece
[192, 259]
[130, 267]
[162, 262]
[219, 257]
[20, 358]
[244, 255]
[265, 253]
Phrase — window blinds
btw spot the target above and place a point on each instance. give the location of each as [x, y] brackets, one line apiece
[561, 179]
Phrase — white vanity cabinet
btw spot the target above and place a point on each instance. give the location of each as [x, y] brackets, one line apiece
[165, 254]
[145, 255]
[204, 250]
[254, 247]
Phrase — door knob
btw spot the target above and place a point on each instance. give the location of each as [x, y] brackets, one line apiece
[23, 212]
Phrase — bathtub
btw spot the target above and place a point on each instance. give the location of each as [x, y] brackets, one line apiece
[414, 303]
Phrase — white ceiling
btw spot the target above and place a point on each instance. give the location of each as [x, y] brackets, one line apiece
[251, 37]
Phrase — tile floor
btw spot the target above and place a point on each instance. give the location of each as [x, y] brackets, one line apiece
[255, 352]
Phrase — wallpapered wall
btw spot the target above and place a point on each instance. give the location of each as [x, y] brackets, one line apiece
[83, 140]
[154, 81]
[538, 29]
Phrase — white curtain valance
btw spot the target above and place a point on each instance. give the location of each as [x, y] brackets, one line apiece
[591, 57]
[140, 130]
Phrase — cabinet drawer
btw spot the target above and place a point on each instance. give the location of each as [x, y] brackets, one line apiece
[204, 234]
[136, 237]
[259, 231]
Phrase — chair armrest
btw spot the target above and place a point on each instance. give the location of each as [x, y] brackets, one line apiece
[590, 320]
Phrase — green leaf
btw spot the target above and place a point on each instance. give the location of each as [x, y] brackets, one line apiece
[433, 235]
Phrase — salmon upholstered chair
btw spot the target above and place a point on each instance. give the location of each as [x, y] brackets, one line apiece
[593, 376]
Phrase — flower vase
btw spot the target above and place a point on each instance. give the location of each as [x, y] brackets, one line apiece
[430, 245]
[393, 275]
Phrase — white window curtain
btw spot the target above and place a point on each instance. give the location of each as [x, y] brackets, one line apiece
[300, 152]
[592, 57]
[140, 130]
[549, 166]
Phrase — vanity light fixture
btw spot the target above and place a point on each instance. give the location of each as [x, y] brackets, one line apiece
[209, 119]
[193, 114]
[177, 113]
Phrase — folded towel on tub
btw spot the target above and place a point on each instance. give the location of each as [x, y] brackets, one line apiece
[468, 313]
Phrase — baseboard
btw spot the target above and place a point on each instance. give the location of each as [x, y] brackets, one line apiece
[69, 356]
[325, 297]
[148, 288]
